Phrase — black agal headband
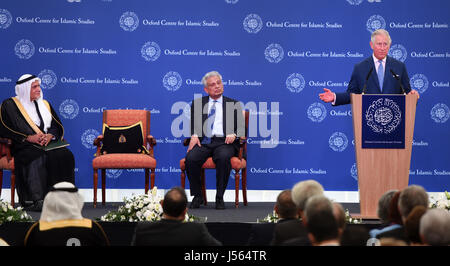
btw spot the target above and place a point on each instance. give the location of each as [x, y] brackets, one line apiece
[25, 80]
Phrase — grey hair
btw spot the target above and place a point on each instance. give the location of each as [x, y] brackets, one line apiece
[411, 197]
[303, 190]
[380, 32]
[435, 227]
[383, 205]
[210, 74]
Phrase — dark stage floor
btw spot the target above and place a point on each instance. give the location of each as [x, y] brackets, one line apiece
[244, 214]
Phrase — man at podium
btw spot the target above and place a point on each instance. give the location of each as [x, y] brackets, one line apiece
[377, 74]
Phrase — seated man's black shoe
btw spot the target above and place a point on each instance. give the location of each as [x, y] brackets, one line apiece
[220, 204]
[196, 202]
[35, 207]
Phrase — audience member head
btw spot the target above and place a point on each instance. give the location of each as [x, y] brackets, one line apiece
[392, 241]
[339, 215]
[303, 190]
[394, 213]
[383, 205]
[411, 197]
[355, 235]
[62, 202]
[175, 204]
[435, 227]
[285, 207]
[320, 222]
[412, 224]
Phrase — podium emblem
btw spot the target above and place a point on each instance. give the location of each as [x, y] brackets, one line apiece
[383, 116]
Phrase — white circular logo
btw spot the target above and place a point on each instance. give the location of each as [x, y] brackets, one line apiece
[354, 2]
[88, 137]
[338, 141]
[354, 172]
[5, 19]
[252, 23]
[317, 112]
[113, 173]
[232, 2]
[375, 22]
[398, 52]
[440, 113]
[48, 78]
[129, 21]
[24, 49]
[274, 53]
[419, 82]
[172, 81]
[150, 51]
[383, 116]
[69, 109]
[295, 82]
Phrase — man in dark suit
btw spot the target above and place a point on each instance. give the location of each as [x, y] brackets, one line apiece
[376, 72]
[217, 123]
[171, 230]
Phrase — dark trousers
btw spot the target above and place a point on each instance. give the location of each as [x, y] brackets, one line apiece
[221, 154]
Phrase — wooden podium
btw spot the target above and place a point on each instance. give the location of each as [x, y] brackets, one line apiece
[380, 170]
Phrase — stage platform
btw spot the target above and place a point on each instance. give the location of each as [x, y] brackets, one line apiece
[231, 226]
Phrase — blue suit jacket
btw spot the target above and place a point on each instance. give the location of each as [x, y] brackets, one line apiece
[390, 84]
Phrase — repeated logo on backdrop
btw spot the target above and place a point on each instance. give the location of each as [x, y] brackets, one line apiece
[160, 49]
[5, 19]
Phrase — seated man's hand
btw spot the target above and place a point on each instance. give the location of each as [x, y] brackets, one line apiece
[230, 138]
[194, 141]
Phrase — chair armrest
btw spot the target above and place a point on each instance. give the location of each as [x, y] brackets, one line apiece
[186, 141]
[98, 141]
[151, 140]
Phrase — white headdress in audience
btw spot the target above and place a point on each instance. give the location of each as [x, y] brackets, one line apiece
[63, 202]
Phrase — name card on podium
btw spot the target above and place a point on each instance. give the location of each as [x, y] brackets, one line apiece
[383, 122]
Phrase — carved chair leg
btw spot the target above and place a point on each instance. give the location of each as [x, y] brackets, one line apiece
[236, 179]
[103, 187]
[183, 179]
[203, 186]
[146, 170]
[13, 187]
[244, 185]
[95, 187]
[152, 178]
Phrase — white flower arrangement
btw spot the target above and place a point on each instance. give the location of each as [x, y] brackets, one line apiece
[10, 214]
[273, 218]
[139, 208]
[441, 202]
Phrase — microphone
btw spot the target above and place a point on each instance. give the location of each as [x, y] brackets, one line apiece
[398, 80]
[367, 78]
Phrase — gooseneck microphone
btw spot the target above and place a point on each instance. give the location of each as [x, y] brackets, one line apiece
[367, 78]
[398, 80]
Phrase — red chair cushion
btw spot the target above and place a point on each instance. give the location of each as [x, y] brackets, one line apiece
[123, 160]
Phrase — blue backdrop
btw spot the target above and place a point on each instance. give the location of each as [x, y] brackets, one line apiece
[274, 56]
